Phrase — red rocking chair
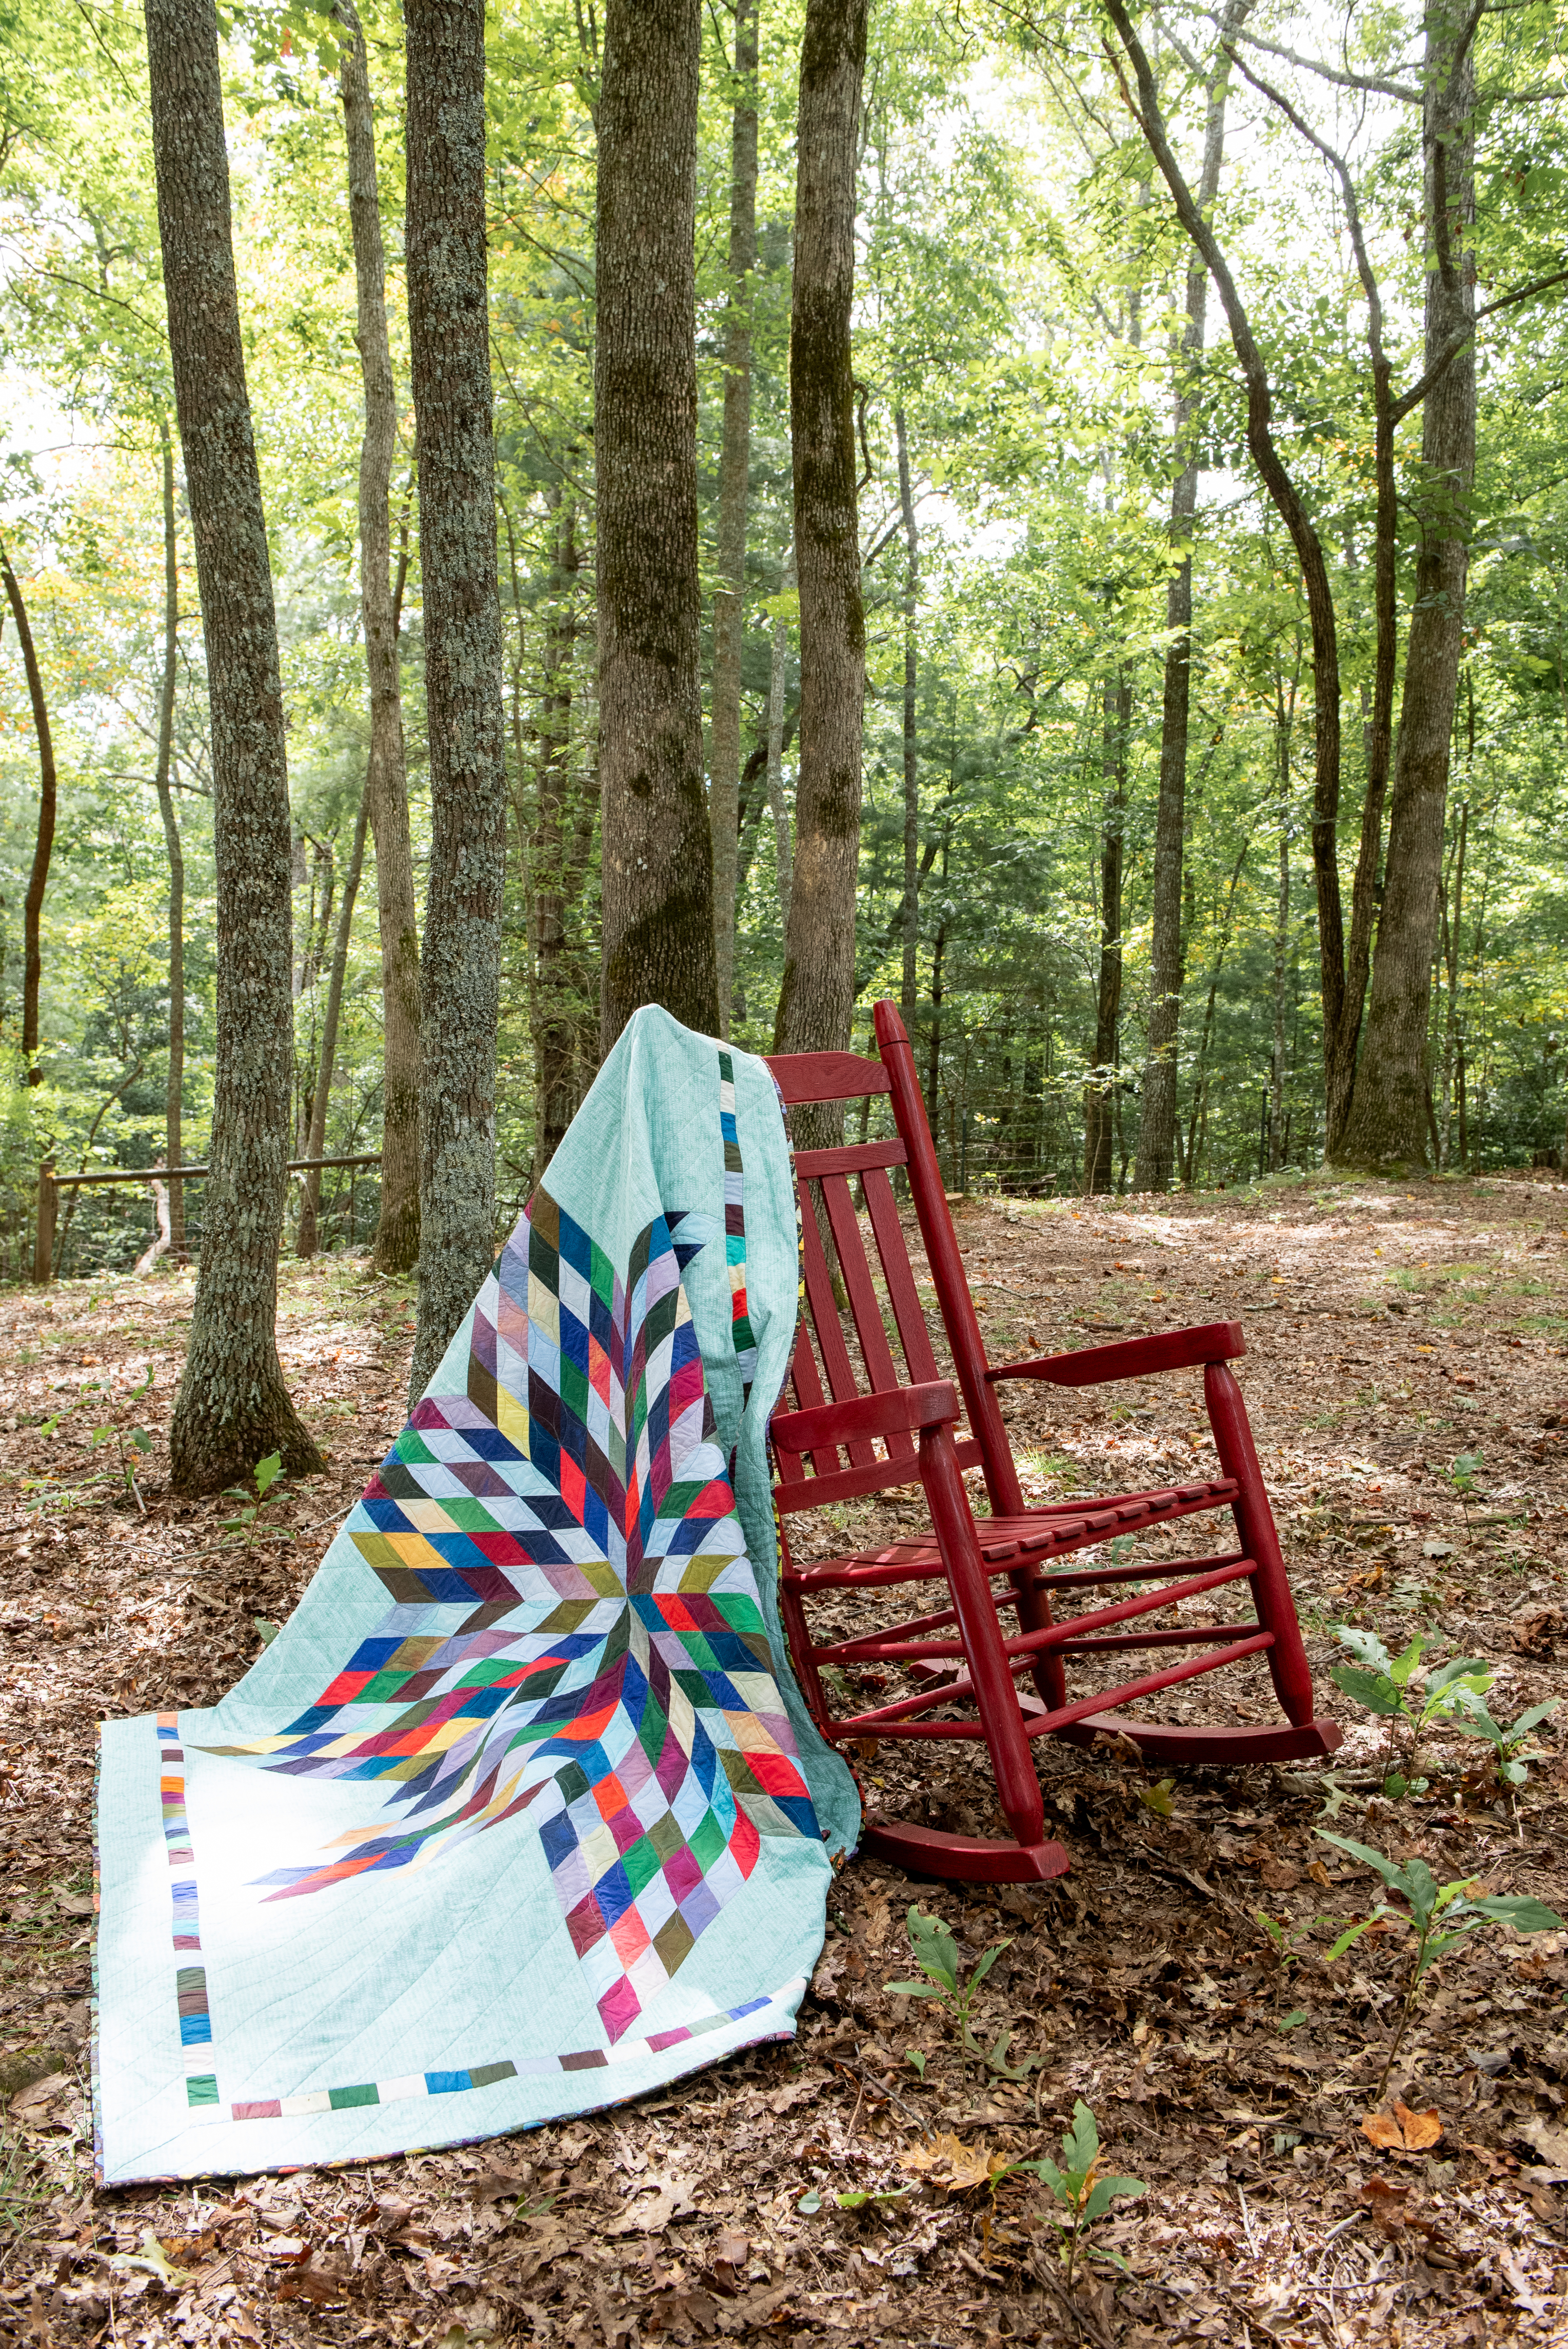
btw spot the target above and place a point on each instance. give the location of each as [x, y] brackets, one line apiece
[965, 1660]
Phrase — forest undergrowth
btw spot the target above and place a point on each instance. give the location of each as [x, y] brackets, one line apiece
[1407, 1378]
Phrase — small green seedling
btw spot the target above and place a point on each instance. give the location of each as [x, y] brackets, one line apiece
[246, 1522]
[1464, 1476]
[1284, 1951]
[1084, 2194]
[936, 1955]
[1441, 1916]
[1387, 1685]
[1159, 1799]
[1510, 1748]
[855, 2197]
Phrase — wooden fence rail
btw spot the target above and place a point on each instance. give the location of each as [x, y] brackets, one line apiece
[51, 1184]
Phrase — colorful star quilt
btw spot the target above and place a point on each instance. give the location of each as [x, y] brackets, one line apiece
[520, 1815]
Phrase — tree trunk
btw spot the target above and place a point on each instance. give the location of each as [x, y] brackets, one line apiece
[1200, 1069]
[1100, 1094]
[656, 852]
[557, 874]
[232, 1408]
[1453, 1043]
[734, 471]
[38, 878]
[1157, 1118]
[175, 1097]
[387, 786]
[1388, 1124]
[783, 864]
[315, 1139]
[816, 1001]
[911, 723]
[460, 974]
[1289, 505]
[1285, 729]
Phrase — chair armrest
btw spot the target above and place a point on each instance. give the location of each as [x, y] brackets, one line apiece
[1134, 1358]
[900, 1411]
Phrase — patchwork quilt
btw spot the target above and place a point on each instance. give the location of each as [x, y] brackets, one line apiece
[520, 1815]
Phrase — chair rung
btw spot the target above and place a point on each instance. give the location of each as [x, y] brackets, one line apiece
[1028, 1644]
[886, 1647]
[1178, 1636]
[901, 1720]
[1094, 1578]
[1041, 1724]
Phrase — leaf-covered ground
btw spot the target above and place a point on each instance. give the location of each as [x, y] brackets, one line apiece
[1391, 1334]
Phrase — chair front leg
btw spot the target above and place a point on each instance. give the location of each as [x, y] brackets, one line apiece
[1260, 1541]
[1001, 1718]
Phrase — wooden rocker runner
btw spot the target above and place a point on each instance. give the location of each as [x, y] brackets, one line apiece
[990, 1661]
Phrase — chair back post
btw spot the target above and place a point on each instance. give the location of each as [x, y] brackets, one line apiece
[948, 1278]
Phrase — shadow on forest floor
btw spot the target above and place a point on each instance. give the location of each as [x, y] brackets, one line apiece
[1393, 1333]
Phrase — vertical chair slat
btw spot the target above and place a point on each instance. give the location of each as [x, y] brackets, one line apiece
[807, 1382]
[823, 1309]
[892, 1250]
[864, 1303]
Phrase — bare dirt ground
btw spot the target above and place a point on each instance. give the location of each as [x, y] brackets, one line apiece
[1392, 1334]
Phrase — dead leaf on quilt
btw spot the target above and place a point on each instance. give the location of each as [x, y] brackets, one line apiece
[948, 2162]
[1402, 2131]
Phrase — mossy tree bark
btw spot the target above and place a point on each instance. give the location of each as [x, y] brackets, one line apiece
[656, 852]
[734, 471]
[397, 1229]
[816, 1001]
[232, 1408]
[460, 966]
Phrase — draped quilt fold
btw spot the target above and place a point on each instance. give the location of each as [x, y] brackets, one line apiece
[521, 1813]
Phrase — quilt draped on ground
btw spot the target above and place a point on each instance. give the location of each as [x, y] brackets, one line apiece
[521, 1813]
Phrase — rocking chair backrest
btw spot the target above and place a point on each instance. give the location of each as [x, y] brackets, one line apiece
[822, 1369]
[947, 1274]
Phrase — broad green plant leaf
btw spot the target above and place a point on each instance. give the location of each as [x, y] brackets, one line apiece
[1375, 1691]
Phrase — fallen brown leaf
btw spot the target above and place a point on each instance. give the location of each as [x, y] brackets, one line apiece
[39, 2092]
[1402, 2131]
[951, 2164]
[670, 2201]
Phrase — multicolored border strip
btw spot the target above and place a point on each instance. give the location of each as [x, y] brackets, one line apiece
[190, 1981]
[735, 1227]
[196, 2021]
[484, 2075]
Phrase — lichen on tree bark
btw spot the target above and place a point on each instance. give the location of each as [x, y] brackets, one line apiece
[460, 961]
[397, 1227]
[816, 1000]
[658, 857]
[232, 1407]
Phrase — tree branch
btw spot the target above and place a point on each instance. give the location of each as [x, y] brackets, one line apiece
[1451, 351]
[1411, 96]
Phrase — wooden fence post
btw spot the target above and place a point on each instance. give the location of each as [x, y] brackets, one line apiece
[48, 1207]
